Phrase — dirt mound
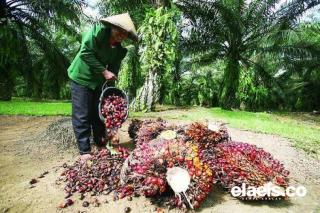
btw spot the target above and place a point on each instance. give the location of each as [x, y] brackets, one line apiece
[60, 133]
[50, 136]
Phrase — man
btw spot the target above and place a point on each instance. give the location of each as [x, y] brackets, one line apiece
[98, 60]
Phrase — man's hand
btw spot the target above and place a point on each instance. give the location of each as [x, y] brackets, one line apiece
[84, 158]
[110, 76]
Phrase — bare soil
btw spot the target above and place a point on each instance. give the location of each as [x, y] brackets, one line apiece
[26, 154]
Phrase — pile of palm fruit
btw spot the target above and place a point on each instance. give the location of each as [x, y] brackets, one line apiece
[160, 146]
[206, 152]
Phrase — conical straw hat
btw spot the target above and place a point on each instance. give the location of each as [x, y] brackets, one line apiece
[124, 22]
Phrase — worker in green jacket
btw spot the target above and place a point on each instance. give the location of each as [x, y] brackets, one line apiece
[98, 60]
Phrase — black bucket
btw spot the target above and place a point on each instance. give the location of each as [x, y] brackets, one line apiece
[108, 91]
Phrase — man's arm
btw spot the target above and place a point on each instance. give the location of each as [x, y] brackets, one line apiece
[89, 45]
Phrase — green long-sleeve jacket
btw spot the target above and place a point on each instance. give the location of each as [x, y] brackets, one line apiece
[94, 56]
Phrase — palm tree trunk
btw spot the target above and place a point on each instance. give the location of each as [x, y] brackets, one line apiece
[6, 65]
[175, 99]
[135, 73]
[6, 83]
[230, 83]
[55, 90]
[161, 3]
[30, 83]
[148, 96]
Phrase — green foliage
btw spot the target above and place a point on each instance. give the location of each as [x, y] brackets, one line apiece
[130, 74]
[28, 30]
[137, 8]
[242, 33]
[208, 53]
[251, 94]
[159, 41]
[158, 56]
[200, 85]
[157, 51]
[299, 76]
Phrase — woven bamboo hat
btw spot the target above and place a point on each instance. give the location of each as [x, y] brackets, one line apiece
[124, 22]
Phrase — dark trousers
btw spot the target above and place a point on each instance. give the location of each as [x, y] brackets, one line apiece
[85, 116]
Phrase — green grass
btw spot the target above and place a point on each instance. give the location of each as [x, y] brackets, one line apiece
[301, 128]
[39, 108]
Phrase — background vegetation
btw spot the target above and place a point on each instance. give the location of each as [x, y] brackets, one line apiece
[255, 55]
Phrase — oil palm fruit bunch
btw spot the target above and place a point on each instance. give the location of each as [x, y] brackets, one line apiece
[147, 166]
[206, 137]
[236, 163]
[134, 128]
[148, 130]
